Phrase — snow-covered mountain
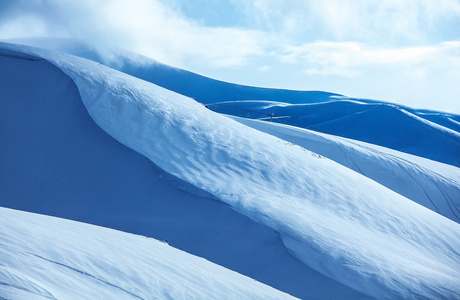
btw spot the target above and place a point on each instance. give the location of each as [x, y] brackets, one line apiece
[386, 124]
[310, 214]
[380, 123]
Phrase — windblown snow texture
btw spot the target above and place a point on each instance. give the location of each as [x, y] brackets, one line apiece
[331, 218]
[55, 160]
[429, 134]
[430, 183]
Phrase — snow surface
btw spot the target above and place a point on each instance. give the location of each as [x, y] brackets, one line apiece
[383, 124]
[57, 161]
[49, 258]
[387, 124]
[430, 183]
[174, 79]
[333, 219]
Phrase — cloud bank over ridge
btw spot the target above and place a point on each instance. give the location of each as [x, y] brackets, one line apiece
[405, 52]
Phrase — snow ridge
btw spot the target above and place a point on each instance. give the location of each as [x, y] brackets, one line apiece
[430, 183]
[383, 124]
[74, 170]
[371, 238]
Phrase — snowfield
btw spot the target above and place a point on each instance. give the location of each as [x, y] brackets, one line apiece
[350, 218]
[68, 177]
[430, 183]
[49, 258]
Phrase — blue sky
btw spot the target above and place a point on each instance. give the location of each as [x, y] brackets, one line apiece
[406, 52]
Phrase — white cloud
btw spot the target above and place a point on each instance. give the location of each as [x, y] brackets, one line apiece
[31, 24]
[388, 49]
[145, 26]
[350, 59]
[153, 29]
[264, 68]
[423, 77]
[389, 22]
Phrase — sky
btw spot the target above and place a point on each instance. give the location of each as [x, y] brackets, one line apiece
[407, 52]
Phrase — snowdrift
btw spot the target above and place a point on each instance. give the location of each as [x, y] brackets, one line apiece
[430, 183]
[333, 219]
[429, 134]
[55, 160]
[49, 258]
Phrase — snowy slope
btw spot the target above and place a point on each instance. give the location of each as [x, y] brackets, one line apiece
[390, 125]
[55, 160]
[331, 218]
[203, 88]
[174, 79]
[381, 124]
[430, 183]
[49, 258]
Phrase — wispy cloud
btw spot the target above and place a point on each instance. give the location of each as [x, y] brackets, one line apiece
[387, 22]
[388, 49]
[344, 34]
[350, 58]
[146, 26]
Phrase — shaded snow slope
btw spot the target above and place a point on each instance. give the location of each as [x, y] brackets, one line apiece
[333, 219]
[390, 126]
[427, 182]
[49, 258]
[55, 160]
[380, 124]
[447, 120]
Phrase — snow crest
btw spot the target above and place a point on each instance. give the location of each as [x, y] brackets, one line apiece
[333, 219]
[430, 183]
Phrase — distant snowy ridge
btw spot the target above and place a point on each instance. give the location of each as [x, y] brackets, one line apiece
[386, 124]
[331, 218]
[383, 124]
[49, 258]
[181, 81]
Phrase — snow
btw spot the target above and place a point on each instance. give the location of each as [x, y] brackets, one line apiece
[49, 258]
[57, 161]
[430, 183]
[331, 218]
[387, 124]
[381, 124]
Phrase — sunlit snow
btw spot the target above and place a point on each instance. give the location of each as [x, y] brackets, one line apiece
[50, 258]
[346, 217]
